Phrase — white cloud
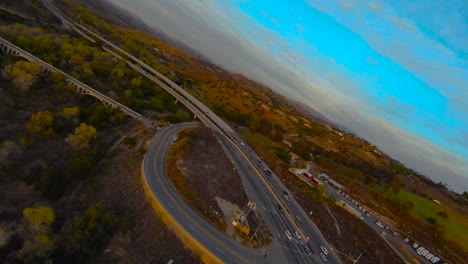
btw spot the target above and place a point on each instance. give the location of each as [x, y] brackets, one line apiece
[214, 29]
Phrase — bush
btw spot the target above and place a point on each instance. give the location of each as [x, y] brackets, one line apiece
[431, 220]
[91, 231]
[129, 141]
[443, 214]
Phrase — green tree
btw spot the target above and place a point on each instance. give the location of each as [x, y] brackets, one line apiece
[283, 154]
[129, 141]
[41, 124]
[90, 232]
[82, 136]
[23, 74]
[182, 116]
[443, 214]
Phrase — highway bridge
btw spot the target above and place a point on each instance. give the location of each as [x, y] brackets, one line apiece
[8, 48]
[266, 193]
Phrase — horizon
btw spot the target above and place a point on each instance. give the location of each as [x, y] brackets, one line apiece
[388, 73]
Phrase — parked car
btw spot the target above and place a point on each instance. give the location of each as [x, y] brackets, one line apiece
[298, 218]
[323, 256]
[324, 249]
[288, 234]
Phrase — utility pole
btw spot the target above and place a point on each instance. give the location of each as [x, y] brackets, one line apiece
[251, 206]
[254, 233]
[353, 260]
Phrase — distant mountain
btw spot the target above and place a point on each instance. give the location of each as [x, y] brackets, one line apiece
[125, 18]
[317, 116]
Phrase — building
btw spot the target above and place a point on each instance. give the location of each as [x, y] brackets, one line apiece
[324, 176]
[335, 184]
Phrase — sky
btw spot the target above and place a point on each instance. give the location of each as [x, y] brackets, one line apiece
[393, 72]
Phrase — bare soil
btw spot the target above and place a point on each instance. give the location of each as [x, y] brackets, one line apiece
[208, 173]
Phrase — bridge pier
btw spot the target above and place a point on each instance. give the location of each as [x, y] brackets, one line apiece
[7, 48]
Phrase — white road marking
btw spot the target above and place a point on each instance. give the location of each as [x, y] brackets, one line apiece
[220, 250]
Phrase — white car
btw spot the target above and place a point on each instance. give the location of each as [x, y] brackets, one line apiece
[324, 249]
[323, 256]
[297, 234]
[288, 234]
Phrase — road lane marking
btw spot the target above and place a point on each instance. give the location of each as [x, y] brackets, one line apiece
[222, 252]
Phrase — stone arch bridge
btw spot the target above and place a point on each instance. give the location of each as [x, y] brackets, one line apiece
[8, 48]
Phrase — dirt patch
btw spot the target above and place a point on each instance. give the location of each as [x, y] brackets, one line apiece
[200, 170]
[227, 208]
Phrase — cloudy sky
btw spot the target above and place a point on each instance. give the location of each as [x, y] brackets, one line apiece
[393, 72]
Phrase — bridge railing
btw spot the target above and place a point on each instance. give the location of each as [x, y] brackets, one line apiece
[76, 82]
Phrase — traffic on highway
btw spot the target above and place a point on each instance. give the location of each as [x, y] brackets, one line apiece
[296, 238]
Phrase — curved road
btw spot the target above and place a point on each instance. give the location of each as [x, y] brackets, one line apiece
[218, 243]
[266, 193]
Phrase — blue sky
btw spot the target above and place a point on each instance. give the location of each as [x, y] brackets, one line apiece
[393, 72]
[384, 80]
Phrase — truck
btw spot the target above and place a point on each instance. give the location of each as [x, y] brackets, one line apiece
[379, 224]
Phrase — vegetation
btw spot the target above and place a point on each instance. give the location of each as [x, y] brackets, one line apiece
[452, 224]
[32, 152]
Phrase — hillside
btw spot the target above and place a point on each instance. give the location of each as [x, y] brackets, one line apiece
[376, 177]
[44, 169]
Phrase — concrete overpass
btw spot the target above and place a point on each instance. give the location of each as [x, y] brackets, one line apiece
[8, 48]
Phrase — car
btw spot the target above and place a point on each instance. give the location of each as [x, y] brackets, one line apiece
[288, 234]
[323, 256]
[308, 251]
[287, 198]
[285, 192]
[298, 218]
[280, 208]
[324, 249]
[297, 235]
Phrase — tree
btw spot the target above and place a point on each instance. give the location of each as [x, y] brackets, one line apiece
[283, 154]
[82, 136]
[90, 232]
[135, 82]
[23, 74]
[39, 244]
[71, 112]
[39, 218]
[396, 185]
[443, 214]
[181, 116]
[41, 124]
[57, 78]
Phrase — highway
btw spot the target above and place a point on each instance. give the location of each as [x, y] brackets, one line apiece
[266, 193]
[217, 242]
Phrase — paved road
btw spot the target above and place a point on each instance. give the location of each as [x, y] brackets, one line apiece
[218, 243]
[265, 193]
